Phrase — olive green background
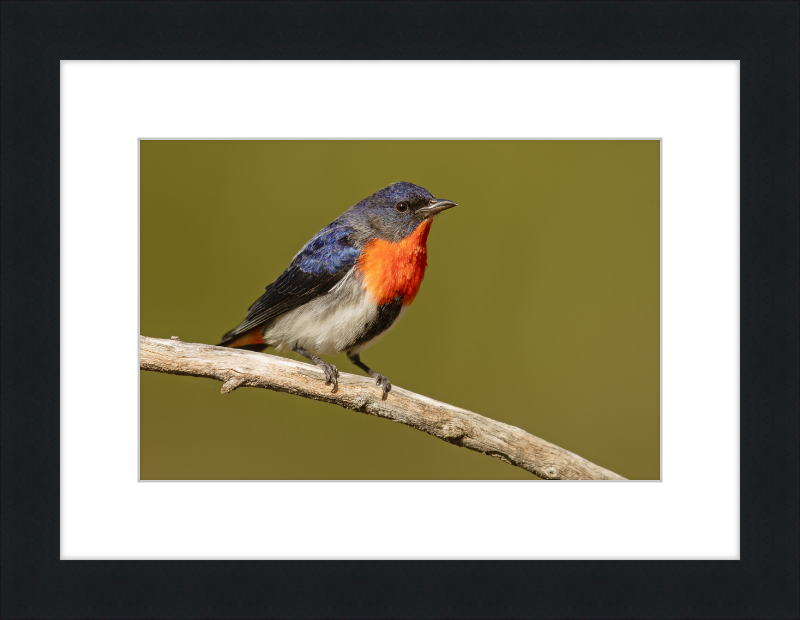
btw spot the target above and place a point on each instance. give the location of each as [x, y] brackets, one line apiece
[540, 305]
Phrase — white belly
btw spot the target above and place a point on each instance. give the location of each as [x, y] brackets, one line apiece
[327, 324]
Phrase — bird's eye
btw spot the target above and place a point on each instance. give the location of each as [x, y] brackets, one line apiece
[401, 206]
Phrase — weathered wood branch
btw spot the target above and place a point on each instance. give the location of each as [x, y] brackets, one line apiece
[237, 368]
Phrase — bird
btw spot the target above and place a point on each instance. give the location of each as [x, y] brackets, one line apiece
[349, 285]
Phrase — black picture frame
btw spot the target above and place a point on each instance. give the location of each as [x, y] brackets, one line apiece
[762, 35]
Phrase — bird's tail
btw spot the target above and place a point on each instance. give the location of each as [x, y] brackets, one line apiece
[251, 340]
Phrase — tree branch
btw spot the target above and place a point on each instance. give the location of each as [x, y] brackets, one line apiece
[238, 368]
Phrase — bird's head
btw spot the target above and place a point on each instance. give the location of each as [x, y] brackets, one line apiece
[394, 212]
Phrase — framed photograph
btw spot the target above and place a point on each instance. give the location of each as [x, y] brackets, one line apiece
[145, 148]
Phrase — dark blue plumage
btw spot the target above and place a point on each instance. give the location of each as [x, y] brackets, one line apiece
[329, 251]
[316, 269]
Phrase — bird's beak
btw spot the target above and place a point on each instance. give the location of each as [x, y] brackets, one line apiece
[437, 205]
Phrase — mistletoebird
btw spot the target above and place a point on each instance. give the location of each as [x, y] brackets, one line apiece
[350, 283]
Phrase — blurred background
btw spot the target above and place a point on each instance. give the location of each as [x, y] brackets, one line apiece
[539, 308]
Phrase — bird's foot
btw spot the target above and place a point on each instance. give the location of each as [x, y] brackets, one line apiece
[380, 379]
[384, 383]
[331, 373]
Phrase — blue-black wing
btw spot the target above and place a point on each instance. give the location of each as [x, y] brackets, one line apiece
[316, 269]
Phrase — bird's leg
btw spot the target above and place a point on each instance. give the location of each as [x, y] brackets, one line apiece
[379, 378]
[331, 373]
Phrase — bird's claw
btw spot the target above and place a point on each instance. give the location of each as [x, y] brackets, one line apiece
[383, 382]
[331, 375]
